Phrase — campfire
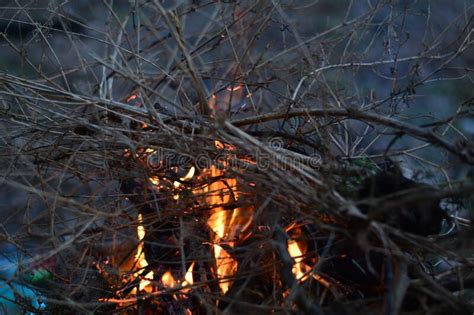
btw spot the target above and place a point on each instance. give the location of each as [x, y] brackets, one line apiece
[232, 157]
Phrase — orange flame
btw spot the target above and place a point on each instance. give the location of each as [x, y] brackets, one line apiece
[226, 267]
[301, 270]
[227, 224]
[168, 280]
[188, 278]
[140, 259]
[218, 194]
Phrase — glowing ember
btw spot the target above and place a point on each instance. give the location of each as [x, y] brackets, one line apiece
[155, 180]
[132, 97]
[235, 88]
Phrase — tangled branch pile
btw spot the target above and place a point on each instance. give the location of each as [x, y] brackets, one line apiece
[237, 156]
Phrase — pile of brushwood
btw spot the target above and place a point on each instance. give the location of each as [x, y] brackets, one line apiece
[237, 156]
